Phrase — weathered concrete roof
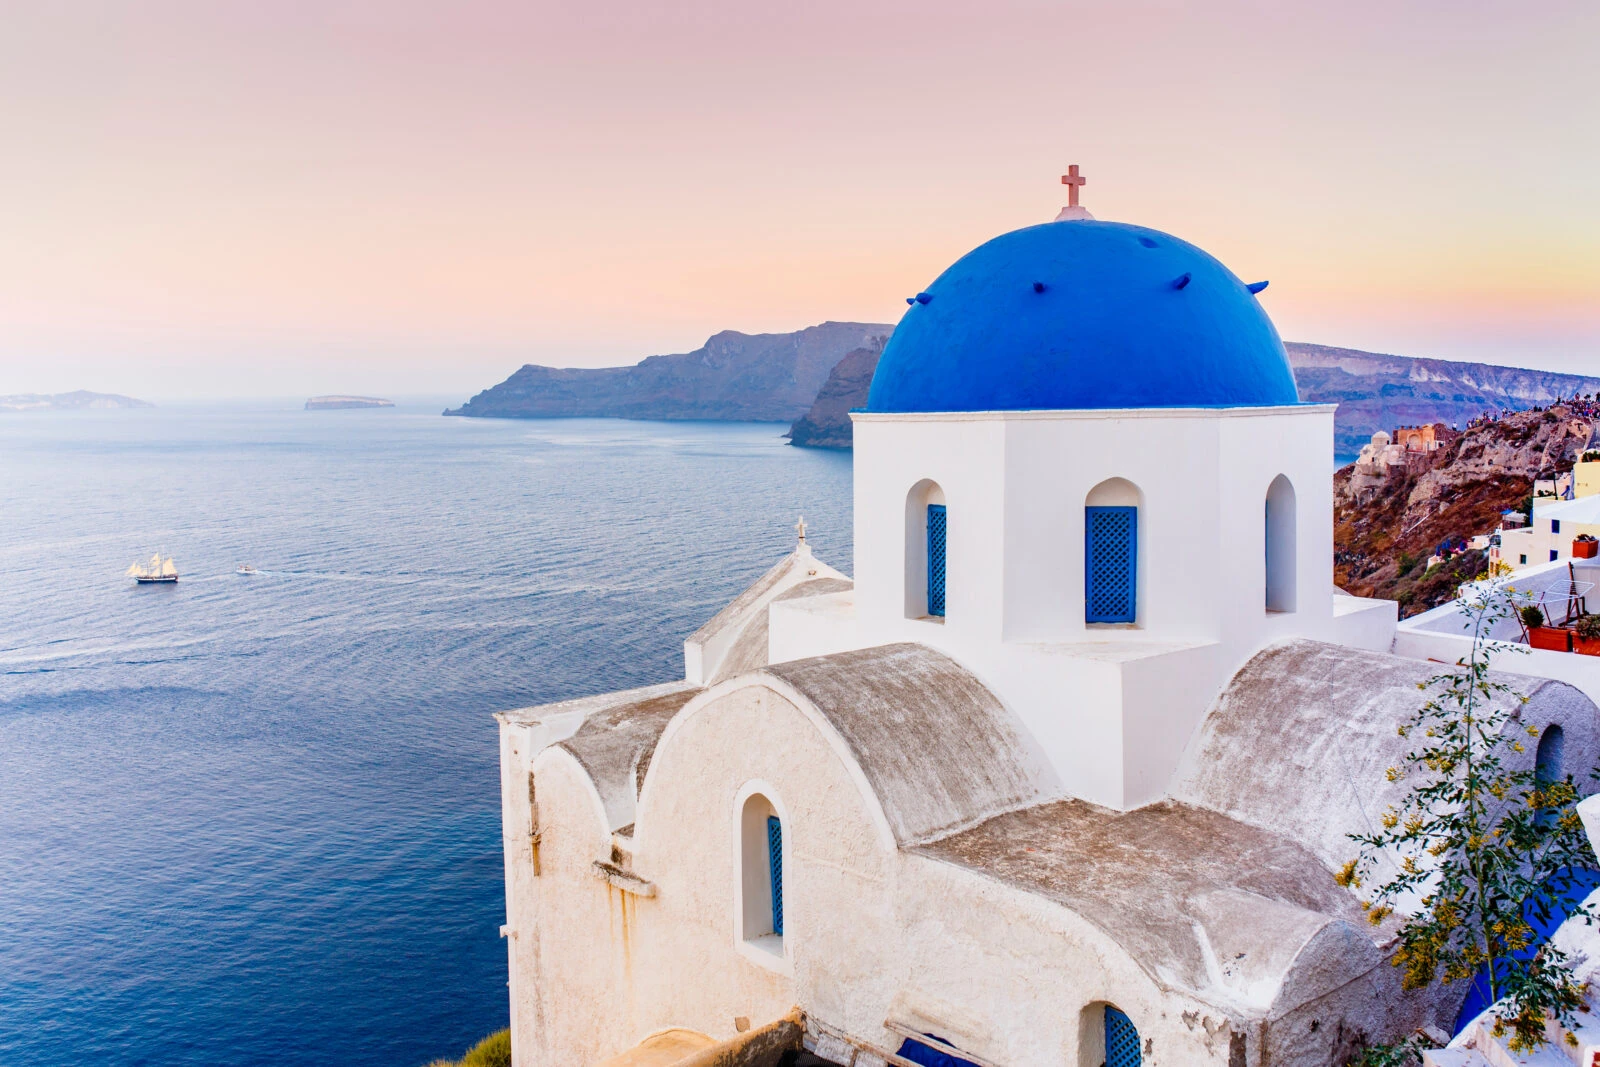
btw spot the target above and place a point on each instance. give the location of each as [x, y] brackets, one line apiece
[749, 649]
[1301, 740]
[735, 639]
[740, 605]
[612, 737]
[938, 748]
[816, 587]
[1241, 917]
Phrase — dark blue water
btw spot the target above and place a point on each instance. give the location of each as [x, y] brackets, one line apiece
[255, 819]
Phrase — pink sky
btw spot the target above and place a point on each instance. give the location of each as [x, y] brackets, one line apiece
[398, 198]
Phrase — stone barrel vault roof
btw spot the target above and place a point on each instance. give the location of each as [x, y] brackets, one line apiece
[1242, 917]
[612, 737]
[1301, 739]
[938, 748]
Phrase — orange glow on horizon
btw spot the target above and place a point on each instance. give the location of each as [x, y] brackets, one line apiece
[354, 192]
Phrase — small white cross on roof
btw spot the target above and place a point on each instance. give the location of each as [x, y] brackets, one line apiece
[1073, 181]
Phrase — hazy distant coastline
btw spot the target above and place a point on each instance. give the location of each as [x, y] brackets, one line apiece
[814, 377]
[75, 401]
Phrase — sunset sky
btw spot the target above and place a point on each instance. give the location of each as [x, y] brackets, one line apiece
[285, 198]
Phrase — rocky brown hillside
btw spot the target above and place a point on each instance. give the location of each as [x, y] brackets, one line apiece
[769, 377]
[1373, 391]
[1387, 523]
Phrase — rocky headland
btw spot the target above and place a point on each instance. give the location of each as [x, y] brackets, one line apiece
[826, 424]
[768, 377]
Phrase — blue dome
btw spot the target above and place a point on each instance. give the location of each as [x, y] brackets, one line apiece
[1083, 314]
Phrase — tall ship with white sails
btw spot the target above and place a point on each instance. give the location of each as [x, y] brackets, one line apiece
[154, 571]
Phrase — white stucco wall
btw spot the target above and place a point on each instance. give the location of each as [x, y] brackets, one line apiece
[1112, 705]
[873, 935]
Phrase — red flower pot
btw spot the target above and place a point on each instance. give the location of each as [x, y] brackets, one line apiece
[1550, 638]
[1589, 646]
[1585, 549]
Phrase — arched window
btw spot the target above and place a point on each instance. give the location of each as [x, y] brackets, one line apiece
[761, 871]
[1111, 553]
[927, 527]
[1547, 764]
[1280, 545]
[1108, 1038]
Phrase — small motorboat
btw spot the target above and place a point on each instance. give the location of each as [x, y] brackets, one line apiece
[246, 568]
[157, 571]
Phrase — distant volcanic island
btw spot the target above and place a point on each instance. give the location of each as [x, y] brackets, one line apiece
[81, 400]
[343, 403]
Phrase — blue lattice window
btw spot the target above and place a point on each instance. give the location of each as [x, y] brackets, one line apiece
[775, 870]
[936, 538]
[1111, 562]
[1122, 1040]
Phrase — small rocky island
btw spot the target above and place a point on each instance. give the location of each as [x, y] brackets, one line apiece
[81, 400]
[340, 403]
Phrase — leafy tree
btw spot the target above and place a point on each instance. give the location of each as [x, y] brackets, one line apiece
[1477, 849]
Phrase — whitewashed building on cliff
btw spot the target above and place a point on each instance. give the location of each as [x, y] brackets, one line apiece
[1060, 777]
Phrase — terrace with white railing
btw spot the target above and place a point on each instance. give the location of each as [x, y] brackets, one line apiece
[1561, 594]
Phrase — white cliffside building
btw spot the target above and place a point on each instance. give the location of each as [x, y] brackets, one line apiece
[1061, 777]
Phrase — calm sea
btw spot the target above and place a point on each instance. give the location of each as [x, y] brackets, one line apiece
[254, 819]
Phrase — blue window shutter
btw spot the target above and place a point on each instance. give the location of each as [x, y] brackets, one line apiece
[775, 868]
[1110, 564]
[936, 535]
[928, 1056]
[1122, 1040]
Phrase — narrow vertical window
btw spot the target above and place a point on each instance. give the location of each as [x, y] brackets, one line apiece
[1122, 1040]
[925, 553]
[1547, 765]
[936, 542]
[1111, 561]
[760, 903]
[775, 870]
[1280, 545]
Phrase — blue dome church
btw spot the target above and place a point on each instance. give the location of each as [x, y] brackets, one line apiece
[1084, 437]
[1061, 776]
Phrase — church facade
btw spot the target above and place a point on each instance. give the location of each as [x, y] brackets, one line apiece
[1060, 776]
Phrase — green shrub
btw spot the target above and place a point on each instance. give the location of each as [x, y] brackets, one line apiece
[492, 1051]
[1404, 564]
[1588, 627]
[1532, 616]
